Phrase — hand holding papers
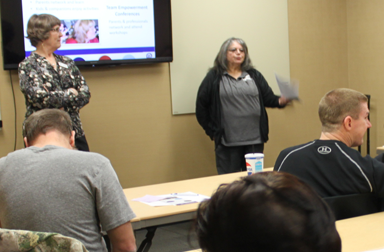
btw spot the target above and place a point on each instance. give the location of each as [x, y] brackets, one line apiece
[173, 199]
[288, 88]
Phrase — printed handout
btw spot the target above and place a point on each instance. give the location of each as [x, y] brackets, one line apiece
[173, 199]
[288, 88]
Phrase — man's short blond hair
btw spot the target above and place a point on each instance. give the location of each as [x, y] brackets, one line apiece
[338, 104]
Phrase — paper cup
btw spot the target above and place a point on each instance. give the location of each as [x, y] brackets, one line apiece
[254, 162]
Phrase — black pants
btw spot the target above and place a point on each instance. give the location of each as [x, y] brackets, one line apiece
[81, 143]
[231, 159]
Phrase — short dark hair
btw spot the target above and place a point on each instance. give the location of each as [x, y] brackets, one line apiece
[221, 62]
[266, 212]
[45, 120]
[39, 27]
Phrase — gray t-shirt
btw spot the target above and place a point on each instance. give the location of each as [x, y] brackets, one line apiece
[54, 189]
[240, 110]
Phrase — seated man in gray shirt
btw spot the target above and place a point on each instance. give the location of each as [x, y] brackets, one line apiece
[50, 187]
[329, 164]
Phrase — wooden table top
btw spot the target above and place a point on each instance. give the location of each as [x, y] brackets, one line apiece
[205, 186]
[362, 233]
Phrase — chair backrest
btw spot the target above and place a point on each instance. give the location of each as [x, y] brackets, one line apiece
[23, 241]
[353, 205]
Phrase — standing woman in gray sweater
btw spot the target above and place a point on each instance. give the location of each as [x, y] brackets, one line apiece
[230, 106]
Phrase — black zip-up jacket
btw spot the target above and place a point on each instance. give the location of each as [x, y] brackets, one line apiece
[208, 106]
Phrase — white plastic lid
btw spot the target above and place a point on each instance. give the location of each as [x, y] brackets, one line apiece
[254, 155]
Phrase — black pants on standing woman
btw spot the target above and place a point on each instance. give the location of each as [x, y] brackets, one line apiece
[81, 143]
[231, 159]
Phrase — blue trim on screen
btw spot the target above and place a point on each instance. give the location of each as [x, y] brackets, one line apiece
[101, 51]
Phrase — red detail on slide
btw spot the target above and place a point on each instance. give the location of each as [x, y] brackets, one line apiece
[105, 58]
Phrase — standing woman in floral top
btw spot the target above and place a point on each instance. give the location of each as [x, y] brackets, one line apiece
[48, 80]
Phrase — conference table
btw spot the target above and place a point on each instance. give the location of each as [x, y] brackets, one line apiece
[362, 233]
[358, 234]
[151, 217]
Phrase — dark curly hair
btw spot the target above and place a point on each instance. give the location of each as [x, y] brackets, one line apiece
[266, 212]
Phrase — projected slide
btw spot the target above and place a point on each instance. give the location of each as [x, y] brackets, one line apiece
[99, 30]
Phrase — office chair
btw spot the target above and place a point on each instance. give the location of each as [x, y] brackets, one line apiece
[353, 205]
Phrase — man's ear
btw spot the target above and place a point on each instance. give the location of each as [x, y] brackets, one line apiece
[72, 139]
[26, 142]
[347, 123]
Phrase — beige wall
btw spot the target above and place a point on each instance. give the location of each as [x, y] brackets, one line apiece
[366, 59]
[129, 121]
[333, 43]
[318, 59]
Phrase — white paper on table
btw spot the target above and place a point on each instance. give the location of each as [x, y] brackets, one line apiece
[288, 88]
[174, 199]
[149, 198]
[379, 250]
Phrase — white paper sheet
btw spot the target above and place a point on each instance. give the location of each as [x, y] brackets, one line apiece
[288, 88]
[173, 199]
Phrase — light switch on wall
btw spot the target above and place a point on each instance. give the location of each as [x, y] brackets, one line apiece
[1, 122]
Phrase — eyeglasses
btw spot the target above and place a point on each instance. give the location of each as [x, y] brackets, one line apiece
[57, 29]
[235, 49]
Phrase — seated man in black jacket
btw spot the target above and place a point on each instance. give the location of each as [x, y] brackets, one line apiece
[329, 164]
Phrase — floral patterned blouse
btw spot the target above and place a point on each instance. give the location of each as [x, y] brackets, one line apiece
[45, 87]
[30, 241]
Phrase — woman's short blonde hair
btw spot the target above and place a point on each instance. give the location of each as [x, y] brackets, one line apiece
[81, 28]
[39, 27]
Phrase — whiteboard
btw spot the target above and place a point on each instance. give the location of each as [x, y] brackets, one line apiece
[201, 26]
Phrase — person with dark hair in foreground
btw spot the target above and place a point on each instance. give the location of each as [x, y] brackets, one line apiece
[266, 212]
[50, 187]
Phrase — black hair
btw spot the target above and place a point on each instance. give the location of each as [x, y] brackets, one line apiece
[266, 212]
